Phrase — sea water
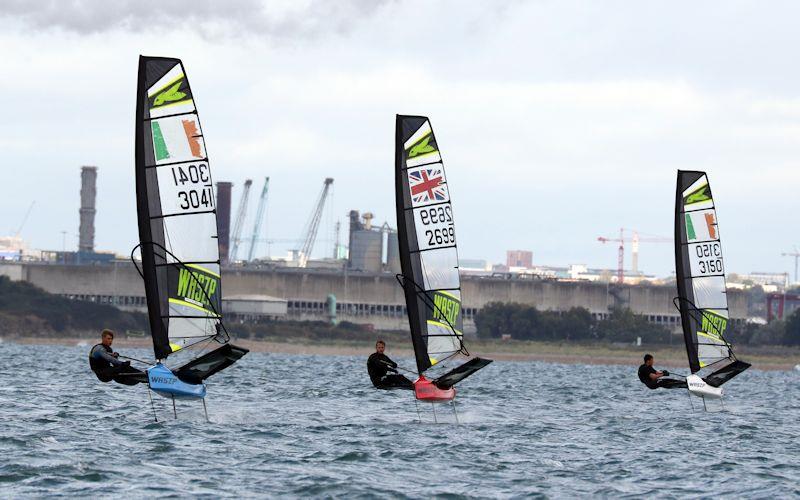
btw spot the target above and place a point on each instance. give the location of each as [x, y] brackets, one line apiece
[313, 426]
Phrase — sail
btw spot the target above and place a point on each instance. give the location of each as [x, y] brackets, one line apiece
[700, 274]
[427, 238]
[176, 210]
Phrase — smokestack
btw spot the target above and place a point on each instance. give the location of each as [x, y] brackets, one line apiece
[355, 225]
[224, 219]
[87, 211]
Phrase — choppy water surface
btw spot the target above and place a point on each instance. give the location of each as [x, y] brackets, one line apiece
[313, 426]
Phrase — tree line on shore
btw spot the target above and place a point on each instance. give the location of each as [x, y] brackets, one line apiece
[523, 322]
[26, 310]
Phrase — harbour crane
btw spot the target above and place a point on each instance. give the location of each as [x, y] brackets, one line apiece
[794, 254]
[25, 219]
[634, 241]
[262, 205]
[236, 237]
[310, 232]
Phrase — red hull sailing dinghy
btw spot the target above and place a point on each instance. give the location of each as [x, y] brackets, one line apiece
[701, 298]
[429, 259]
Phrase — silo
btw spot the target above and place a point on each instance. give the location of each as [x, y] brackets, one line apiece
[366, 247]
[223, 218]
[393, 252]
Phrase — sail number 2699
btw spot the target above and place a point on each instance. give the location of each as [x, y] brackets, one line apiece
[439, 225]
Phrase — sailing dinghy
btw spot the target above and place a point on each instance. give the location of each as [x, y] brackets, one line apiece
[429, 259]
[178, 235]
[702, 298]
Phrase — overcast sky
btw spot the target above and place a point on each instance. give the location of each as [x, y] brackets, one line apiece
[558, 121]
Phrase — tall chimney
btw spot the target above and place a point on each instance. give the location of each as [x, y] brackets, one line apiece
[224, 219]
[87, 211]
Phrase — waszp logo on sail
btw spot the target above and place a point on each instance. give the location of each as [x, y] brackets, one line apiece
[713, 324]
[196, 286]
[446, 308]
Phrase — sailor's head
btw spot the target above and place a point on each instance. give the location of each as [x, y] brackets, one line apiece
[380, 346]
[107, 337]
[648, 359]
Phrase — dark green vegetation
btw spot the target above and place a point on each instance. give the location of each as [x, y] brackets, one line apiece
[523, 322]
[783, 332]
[26, 310]
[313, 330]
[528, 323]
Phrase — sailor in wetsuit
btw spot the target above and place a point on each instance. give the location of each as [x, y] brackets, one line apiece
[378, 366]
[649, 376]
[105, 363]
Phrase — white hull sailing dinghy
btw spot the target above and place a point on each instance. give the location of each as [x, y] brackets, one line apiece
[429, 260]
[701, 298]
[178, 235]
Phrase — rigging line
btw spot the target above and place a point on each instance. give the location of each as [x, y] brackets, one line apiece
[197, 282]
[401, 278]
[400, 368]
[694, 310]
[137, 360]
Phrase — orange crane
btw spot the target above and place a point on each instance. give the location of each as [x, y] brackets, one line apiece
[634, 240]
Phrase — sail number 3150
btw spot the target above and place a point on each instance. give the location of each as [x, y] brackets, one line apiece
[709, 258]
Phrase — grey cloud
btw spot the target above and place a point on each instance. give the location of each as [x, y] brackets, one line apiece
[209, 18]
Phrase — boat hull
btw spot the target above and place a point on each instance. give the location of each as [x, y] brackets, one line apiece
[164, 383]
[700, 388]
[426, 390]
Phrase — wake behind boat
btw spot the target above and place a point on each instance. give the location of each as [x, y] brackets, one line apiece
[701, 299]
[178, 234]
[429, 259]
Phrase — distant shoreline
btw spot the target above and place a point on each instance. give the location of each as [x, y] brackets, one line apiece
[564, 353]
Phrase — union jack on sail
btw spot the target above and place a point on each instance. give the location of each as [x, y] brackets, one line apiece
[427, 185]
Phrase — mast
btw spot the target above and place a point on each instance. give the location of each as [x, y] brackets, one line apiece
[158, 328]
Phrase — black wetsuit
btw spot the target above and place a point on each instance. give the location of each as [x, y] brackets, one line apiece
[378, 366]
[644, 376]
[660, 383]
[108, 368]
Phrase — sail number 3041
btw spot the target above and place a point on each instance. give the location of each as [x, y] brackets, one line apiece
[197, 188]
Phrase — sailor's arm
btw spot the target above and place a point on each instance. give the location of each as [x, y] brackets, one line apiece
[656, 375]
[102, 354]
